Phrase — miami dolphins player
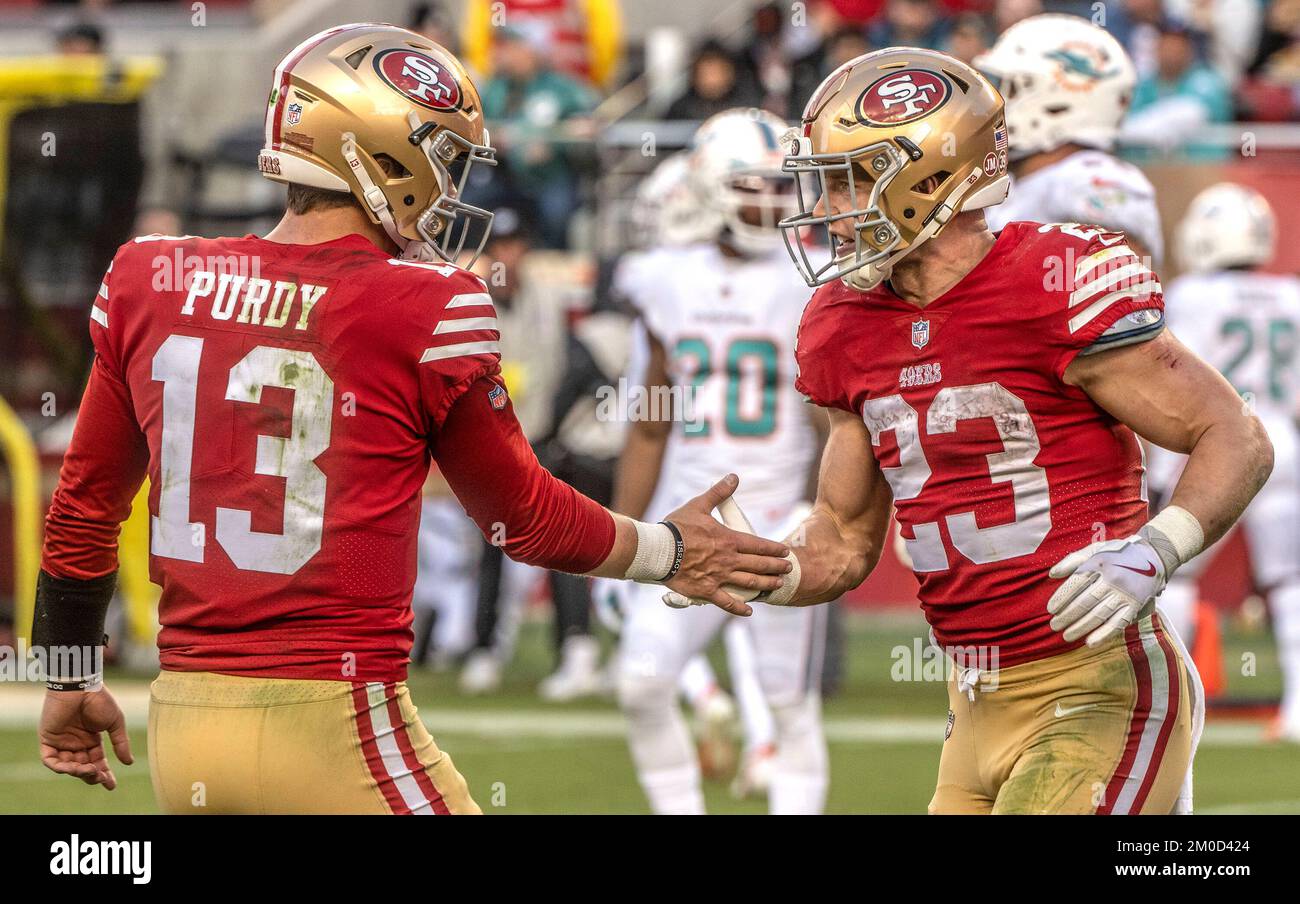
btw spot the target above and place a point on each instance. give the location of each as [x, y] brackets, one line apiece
[1067, 84]
[669, 214]
[721, 317]
[1245, 322]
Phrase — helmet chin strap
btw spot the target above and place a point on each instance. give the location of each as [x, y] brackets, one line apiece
[378, 205]
[872, 275]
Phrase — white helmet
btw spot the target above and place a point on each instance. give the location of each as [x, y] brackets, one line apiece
[736, 168]
[1065, 81]
[668, 210]
[1226, 225]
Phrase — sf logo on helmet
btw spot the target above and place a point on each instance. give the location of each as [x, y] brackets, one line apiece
[902, 97]
[420, 78]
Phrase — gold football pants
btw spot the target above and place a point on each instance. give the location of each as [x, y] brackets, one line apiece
[1106, 730]
[230, 744]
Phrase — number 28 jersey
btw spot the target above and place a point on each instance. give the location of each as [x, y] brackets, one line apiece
[286, 397]
[998, 467]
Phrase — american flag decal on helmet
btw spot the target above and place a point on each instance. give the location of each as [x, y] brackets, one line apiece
[1000, 137]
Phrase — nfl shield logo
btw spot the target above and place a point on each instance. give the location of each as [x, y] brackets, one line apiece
[497, 397]
[921, 333]
[294, 114]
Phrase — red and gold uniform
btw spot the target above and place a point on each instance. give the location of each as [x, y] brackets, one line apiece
[999, 468]
[285, 402]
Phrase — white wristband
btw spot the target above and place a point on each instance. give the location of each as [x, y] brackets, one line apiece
[1178, 534]
[656, 553]
[782, 595]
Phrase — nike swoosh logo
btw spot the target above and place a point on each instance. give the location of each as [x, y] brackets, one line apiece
[1150, 570]
[1061, 711]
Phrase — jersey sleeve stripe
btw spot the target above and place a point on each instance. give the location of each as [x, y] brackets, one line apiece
[1093, 261]
[1130, 273]
[465, 325]
[461, 350]
[99, 315]
[1090, 313]
[103, 291]
[469, 300]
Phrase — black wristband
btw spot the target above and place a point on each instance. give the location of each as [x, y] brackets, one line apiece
[86, 684]
[678, 552]
[69, 612]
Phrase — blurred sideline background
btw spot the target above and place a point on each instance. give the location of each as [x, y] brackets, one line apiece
[122, 119]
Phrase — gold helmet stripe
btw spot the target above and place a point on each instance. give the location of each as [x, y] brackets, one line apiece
[275, 115]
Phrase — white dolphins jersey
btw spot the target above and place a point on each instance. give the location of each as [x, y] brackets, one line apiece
[1086, 187]
[1247, 326]
[728, 328]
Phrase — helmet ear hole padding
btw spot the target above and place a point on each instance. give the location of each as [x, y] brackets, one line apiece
[932, 183]
[392, 167]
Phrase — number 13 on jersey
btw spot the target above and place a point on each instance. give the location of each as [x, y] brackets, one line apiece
[173, 535]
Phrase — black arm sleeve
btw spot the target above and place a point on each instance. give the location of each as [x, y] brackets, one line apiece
[70, 612]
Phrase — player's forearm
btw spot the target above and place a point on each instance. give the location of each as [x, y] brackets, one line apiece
[833, 559]
[1226, 466]
[622, 553]
[1169, 396]
[102, 471]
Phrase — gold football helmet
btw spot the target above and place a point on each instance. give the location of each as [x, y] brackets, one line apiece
[923, 133]
[389, 116]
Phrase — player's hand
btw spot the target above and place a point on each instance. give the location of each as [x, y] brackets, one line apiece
[716, 556]
[71, 723]
[1108, 586]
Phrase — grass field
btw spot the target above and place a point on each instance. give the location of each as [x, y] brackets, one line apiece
[523, 756]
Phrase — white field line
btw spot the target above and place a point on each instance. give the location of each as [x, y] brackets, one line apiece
[20, 707]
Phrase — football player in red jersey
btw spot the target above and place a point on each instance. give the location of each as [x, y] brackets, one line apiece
[285, 397]
[993, 388]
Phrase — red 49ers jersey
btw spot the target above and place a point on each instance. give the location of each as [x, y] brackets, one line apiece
[288, 395]
[998, 467]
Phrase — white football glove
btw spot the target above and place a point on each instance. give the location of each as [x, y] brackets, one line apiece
[1108, 586]
[734, 518]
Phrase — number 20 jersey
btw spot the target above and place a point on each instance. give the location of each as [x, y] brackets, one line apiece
[727, 325]
[998, 467]
[289, 396]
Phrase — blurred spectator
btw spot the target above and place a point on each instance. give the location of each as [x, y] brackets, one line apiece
[969, 37]
[1278, 55]
[858, 12]
[79, 38]
[584, 37]
[1182, 95]
[714, 86]
[1271, 89]
[765, 57]
[1008, 12]
[1230, 29]
[1136, 25]
[808, 73]
[528, 108]
[432, 21]
[805, 34]
[910, 23]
